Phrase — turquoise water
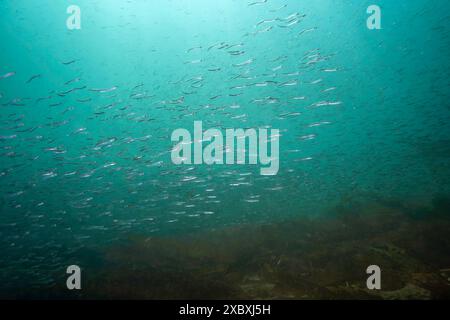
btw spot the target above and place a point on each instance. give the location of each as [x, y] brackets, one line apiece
[87, 116]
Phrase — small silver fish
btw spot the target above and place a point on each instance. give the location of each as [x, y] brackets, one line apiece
[7, 75]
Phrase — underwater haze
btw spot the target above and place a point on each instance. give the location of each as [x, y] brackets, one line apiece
[87, 114]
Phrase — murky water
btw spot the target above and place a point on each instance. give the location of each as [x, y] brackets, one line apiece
[87, 171]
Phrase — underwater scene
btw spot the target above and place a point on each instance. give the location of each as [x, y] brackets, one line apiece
[225, 149]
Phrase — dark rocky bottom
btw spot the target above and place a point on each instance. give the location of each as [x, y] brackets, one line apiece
[309, 258]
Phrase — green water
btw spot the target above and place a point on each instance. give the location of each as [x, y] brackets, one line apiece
[87, 116]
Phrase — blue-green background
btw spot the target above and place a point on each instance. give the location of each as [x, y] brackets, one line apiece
[388, 139]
